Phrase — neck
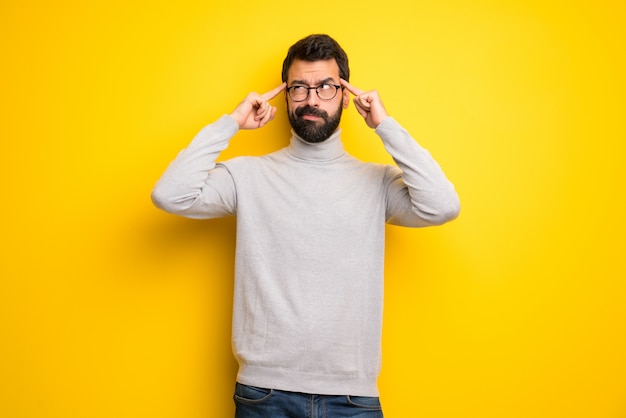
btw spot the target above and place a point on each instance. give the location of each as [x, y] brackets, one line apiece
[326, 150]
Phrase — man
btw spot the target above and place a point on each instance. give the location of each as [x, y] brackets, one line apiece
[310, 236]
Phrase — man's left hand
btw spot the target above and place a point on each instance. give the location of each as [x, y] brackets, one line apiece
[368, 104]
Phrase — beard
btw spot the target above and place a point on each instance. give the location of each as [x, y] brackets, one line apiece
[314, 131]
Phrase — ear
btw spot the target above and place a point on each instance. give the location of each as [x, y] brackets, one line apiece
[346, 97]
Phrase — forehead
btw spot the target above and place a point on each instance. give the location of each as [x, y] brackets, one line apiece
[313, 72]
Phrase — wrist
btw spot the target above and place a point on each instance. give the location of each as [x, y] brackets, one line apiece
[236, 118]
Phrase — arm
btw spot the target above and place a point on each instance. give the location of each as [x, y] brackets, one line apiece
[192, 185]
[418, 194]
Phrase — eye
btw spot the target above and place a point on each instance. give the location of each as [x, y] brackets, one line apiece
[326, 87]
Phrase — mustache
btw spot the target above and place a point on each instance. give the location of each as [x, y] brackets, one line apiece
[309, 110]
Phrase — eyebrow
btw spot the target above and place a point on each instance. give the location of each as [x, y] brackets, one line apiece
[327, 80]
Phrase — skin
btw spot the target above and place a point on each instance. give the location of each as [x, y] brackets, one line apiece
[255, 111]
[312, 74]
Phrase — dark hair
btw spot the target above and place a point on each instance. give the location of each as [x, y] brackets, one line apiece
[317, 48]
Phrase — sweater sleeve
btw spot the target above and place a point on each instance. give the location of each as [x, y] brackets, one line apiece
[418, 192]
[193, 185]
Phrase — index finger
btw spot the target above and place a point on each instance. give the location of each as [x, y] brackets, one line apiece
[273, 93]
[351, 88]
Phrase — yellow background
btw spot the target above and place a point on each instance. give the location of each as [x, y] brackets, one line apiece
[110, 308]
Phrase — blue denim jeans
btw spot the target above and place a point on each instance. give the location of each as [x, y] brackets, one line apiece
[253, 402]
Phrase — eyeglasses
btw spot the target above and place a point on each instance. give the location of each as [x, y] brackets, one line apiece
[324, 92]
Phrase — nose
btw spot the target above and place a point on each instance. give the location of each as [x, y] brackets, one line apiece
[313, 100]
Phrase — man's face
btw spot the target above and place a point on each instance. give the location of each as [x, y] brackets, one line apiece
[315, 119]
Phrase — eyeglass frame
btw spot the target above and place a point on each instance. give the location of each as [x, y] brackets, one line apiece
[308, 91]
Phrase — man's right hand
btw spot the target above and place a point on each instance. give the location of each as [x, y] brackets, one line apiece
[255, 111]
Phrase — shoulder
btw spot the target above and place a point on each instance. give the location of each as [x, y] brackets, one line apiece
[373, 166]
[247, 162]
[373, 171]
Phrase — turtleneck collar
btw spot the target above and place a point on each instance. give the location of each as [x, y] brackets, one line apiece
[327, 150]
